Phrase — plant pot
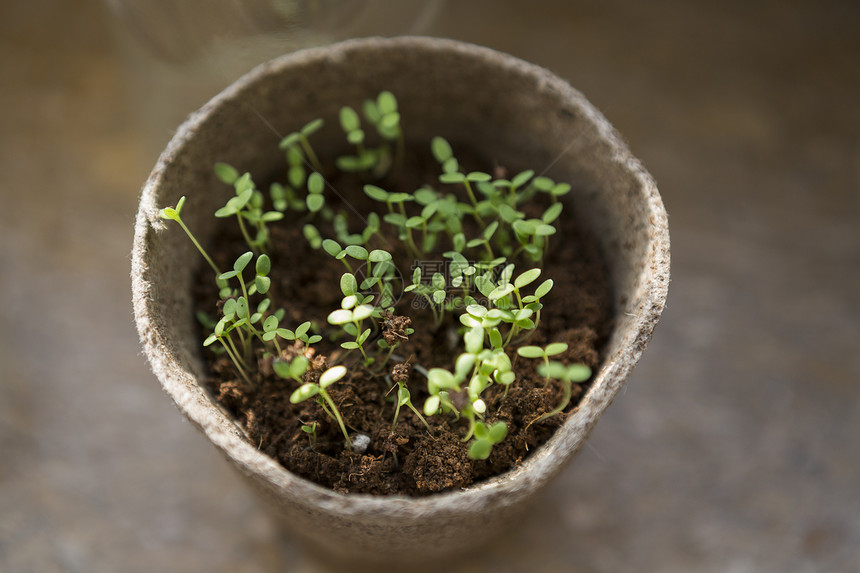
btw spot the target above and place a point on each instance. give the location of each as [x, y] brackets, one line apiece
[476, 97]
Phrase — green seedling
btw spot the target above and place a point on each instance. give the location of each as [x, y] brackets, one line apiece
[311, 431]
[486, 438]
[543, 353]
[318, 390]
[487, 229]
[568, 375]
[404, 398]
[175, 214]
[299, 139]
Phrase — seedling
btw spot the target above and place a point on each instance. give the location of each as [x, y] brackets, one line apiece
[544, 353]
[311, 431]
[568, 375]
[486, 438]
[318, 389]
[497, 234]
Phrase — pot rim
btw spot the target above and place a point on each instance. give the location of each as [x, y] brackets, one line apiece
[500, 490]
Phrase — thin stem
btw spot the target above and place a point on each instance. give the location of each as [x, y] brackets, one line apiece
[236, 362]
[199, 248]
[331, 403]
[474, 201]
[245, 234]
[309, 151]
[417, 413]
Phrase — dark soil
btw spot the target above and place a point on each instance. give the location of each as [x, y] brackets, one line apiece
[408, 459]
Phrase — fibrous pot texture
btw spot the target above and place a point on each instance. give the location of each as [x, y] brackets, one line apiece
[501, 107]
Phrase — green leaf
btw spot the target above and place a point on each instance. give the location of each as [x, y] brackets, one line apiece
[243, 261]
[349, 119]
[476, 310]
[415, 221]
[386, 102]
[478, 176]
[270, 324]
[439, 296]
[543, 289]
[312, 127]
[530, 351]
[228, 275]
[316, 183]
[543, 183]
[169, 213]
[286, 334]
[289, 141]
[304, 392]
[378, 256]
[481, 431]
[376, 193]
[484, 285]
[356, 137]
[523, 227]
[474, 340]
[431, 405]
[526, 278]
[480, 449]
[281, 368]
[340, 316]
[348, 284]
[560, 189]
[331, 246]
[350, 345]
[495, 338]
[506, 378]
[263, 265]
[465, 363]
[441, 149]
[390, 121]
[312, 235]
[578, 373]
[362, 312]
[552, 213]
[544, 230]
[349, 302]
[371, 111]
[363, 338]
[500, 291]
[497, 432]
[262, 283]
[298, 366]
[356, 252]
[555, 348]
[296, 176]
[315, 202]
[303, 329]
[490, 230]
[553, 370]
[314, 339]
[520, 179]
[451, 165]
[332, 375]
[453, 177]
[440, 379]
[226, 173]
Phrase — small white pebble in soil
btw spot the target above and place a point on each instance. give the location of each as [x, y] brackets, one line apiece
[360, 442]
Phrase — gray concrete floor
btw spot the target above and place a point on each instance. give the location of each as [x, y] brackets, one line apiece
[735, 445]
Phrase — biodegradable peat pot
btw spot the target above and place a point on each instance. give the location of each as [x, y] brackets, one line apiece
[475, 97]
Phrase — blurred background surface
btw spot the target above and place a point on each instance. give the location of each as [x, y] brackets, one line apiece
[735, 445]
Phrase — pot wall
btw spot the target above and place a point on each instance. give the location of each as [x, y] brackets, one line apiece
[514, 112]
